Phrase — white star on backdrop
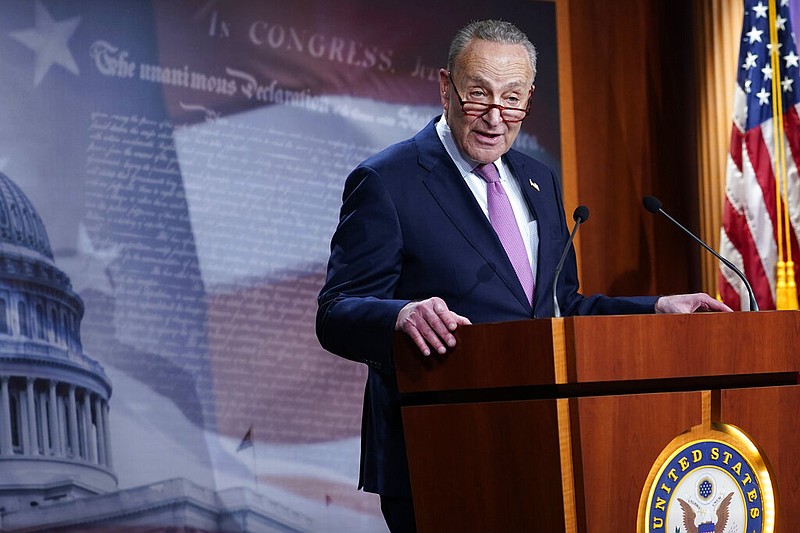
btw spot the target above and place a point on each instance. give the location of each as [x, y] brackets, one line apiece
[48, 40]
[87, 266]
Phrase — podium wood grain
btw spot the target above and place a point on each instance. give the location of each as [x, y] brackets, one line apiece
[489, 448]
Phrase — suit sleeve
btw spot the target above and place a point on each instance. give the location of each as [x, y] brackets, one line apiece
[357, 311]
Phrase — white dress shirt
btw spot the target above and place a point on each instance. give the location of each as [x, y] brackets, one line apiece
[527, 225]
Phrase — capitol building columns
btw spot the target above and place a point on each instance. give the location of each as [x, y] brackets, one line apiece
[5, 416]
[31, 444]
[53, 396]
[41, 417]
[102, 453]
[56, 441]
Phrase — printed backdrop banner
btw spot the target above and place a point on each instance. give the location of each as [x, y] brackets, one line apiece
[187, 159]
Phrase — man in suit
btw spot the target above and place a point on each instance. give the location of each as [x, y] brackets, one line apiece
[416, 249]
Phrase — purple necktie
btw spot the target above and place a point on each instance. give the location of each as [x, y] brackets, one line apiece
[505, 225]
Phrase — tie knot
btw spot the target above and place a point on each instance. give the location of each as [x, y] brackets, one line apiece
[488, 172]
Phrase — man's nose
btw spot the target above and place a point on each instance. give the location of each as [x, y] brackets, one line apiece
[493, 116]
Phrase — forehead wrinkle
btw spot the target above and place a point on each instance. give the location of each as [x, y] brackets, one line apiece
[484, 82]
[509, 71]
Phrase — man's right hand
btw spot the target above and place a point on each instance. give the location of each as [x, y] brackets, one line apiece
[430, 324]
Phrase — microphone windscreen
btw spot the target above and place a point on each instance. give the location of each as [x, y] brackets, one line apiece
[651, 203]
[581, 214]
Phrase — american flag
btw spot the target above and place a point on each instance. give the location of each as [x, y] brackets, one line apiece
[755, 224]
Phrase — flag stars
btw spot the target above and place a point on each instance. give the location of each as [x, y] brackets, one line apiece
[761, 10]
[780, 23]
[786, 83]
[767, 72]
[748, 86]
[792, 59]
[777, 47]
[48, 40]
[754, 35]
[763, 96]
[750, 60]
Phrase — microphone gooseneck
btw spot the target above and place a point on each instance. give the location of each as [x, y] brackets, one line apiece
[580, 215]
[653, 204]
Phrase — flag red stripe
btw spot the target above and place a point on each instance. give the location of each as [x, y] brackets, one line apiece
[759, 157]
[737, 140]
[729, 295]
[739, 234]
[791, 125]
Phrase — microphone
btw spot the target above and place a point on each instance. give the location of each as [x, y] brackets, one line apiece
[653, 204]
[581, 214]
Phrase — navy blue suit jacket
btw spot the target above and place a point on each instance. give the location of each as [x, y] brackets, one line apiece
[409, 229]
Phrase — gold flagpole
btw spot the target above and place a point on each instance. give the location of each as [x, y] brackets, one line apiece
[785, 286]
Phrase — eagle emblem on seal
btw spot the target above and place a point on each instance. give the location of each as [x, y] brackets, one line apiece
[708, 522]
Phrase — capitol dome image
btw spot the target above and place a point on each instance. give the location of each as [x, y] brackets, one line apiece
[56, 467]
[54, 398]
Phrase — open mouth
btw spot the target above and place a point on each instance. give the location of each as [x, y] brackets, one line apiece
[488, 138]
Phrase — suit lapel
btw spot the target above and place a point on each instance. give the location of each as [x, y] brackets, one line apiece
[451, 192]
[530, 188]
[543, 201]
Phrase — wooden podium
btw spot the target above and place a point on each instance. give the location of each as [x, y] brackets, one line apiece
[553, 424]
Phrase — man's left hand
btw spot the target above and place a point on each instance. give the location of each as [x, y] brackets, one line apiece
[689, 303]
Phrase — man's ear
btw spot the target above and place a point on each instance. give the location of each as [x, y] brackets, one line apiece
[444, 87]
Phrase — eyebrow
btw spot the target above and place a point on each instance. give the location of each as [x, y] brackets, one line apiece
[484, 82]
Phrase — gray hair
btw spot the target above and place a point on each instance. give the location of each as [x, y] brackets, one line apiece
[496, 31]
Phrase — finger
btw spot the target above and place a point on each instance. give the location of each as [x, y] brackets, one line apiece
[442, 321]
[719, 306]
[414, 319]
[712, 304]
[451, 319]
[429, 324]
[406, 323]
[435, 331]
[463, 321]
[416, 337]
[419, 324]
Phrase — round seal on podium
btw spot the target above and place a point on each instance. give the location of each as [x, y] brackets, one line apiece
[709, 479]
